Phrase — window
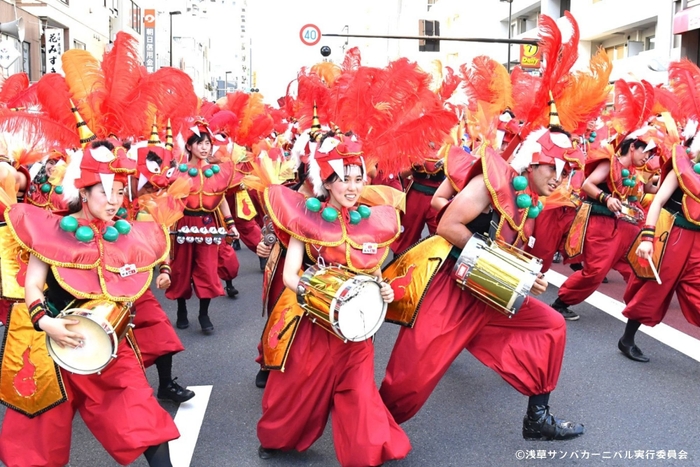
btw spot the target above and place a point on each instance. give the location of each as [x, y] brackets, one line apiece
[564, 5]
[26, 62]
[431, 3]
[78, 45]
[616, 52]
[428, 28]
[135, 17]
[650, 43]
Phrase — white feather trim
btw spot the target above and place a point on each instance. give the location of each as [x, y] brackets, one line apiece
[523, 155]
[315, 177]
[70, 192]
[690, 129]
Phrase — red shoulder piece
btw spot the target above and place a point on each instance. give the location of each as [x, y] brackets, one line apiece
[457, 164]
[689, 182]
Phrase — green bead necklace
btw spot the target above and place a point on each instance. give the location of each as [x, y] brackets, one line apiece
[84, 233]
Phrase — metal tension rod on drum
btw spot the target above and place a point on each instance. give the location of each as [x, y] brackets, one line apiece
[440, 38]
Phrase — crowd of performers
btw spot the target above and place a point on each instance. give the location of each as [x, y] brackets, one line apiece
[332, 189]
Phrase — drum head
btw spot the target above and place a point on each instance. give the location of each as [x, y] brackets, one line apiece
[95, 353]
[360, 317]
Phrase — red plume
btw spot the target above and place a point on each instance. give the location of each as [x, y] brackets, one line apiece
[352, 60]
[684, 79]
[54, 97]
[13, 85]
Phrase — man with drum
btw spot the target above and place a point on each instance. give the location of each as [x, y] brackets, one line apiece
[525, 349]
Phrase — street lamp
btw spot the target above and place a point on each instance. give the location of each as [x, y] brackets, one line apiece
[510, 27]
[172, 13]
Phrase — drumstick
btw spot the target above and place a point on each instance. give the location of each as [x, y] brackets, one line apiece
[653, 269]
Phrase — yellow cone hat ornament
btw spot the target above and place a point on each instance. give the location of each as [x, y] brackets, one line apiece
[169, 137]
[154, 140]
[553, 114]
[86, 135]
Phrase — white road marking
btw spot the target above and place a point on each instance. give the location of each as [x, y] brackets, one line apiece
[663, 333]
[189, 419]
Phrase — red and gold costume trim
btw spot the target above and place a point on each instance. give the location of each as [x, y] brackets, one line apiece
[514, 227]
[689, 182]
[458, 162]
[206, 194]
[91, 270]
[338, 241]
[51, 200]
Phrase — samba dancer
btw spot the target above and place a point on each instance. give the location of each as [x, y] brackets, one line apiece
[325, 375]
[195, 264]
[117, 405]
[671, 235]
[525, 350]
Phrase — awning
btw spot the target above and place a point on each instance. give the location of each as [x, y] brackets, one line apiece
[686, 20]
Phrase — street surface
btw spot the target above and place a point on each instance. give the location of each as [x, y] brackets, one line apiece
[635, 414]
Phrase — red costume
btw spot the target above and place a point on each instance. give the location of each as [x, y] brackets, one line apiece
[647, 301]
[325, 375]
[525, 350]
[194, 264]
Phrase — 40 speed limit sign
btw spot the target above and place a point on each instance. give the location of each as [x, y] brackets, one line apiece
[310, 34]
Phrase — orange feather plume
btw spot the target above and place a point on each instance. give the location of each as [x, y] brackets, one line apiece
[327, 71]
[86, 82]
[487, 82]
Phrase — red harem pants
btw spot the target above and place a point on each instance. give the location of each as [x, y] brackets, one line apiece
[326, 376]
[648, 302]
[607, 242]
[551, 227]
[418, 213]
[117, 406]
[525, 350]
[227, 264]
[195, 265]
[153, 331]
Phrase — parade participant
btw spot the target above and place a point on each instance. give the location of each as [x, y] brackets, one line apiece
[154, 332]
[194, 263]
[421, 184]
[343, 386]
[42, 192]
[669, 238]
[612, 183]
[530, 343]
[81, 258]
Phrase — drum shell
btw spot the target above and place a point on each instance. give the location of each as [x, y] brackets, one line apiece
[496, 273]
[325, 292]
[113, 319]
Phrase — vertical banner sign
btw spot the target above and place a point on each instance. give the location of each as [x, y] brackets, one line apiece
[149, 28]
[54, 50]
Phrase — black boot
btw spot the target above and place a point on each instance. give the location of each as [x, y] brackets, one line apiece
[564, 309]
[236, 244]
[266, 453]
[231, 290]
[204, 321]
[158, 456]
[540, 424]
[182, 321]
[261, 378]
[174, 392]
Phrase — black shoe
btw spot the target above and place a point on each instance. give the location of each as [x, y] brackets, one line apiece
[605, 280]
[236, 244]
[565, 311]
[205, 323]
[266, 453]
[632, 352]
[174, 392]
[261, 378]
[576, 266]
[557, 258]
[263, 262]
[540, 424]
[231, 291]
[182, 322]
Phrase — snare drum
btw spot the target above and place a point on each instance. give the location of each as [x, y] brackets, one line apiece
[496, 273]
[346, 304]
[102, 324]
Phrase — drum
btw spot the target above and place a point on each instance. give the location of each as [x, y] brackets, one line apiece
[103, 324]
[496, 273]
[346, 304]
[630, 213]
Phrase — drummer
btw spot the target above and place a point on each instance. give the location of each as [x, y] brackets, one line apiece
[525, 350]
[610, 181]
[321, 375]
[78, 257]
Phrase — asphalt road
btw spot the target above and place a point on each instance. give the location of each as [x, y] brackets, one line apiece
[472, 419]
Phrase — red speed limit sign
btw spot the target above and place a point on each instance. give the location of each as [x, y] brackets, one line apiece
[310, 34]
